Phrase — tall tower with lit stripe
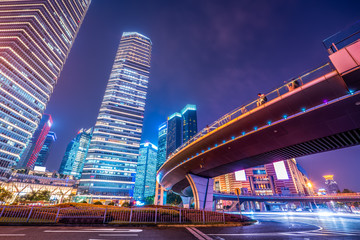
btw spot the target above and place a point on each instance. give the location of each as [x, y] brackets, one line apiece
[110, 166]
[35, 40]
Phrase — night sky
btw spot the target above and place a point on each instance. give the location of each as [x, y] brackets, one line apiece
[215, 54]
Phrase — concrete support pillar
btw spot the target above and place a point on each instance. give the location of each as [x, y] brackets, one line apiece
[248, 208]
[160, 195]
[203, 190]
[252, 206]
[262, 207]
[185, 201]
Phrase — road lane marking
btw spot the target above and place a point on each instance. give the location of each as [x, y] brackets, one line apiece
[12, 235]
[317, 233]
[94, 230]
[201, 233]
[118, 235]
[198, 236]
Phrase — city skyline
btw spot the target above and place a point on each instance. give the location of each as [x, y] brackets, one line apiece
[289, 64]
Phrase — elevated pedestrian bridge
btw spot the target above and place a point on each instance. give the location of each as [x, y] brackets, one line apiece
[351, 197]
[321, 114]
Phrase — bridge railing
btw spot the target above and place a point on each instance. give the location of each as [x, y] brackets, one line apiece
[290, 85]
[343, 38]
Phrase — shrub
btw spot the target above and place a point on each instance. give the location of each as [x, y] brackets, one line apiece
[98, 203]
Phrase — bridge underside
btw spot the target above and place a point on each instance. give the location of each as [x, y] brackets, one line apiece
[317, 199]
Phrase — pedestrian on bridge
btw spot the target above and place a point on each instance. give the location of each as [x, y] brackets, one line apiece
[262, 99]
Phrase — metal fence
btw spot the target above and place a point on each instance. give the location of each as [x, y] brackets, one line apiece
[35, 214]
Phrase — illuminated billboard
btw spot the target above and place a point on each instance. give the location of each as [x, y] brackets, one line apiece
[40, 169]
[240, 175]
[280, 170]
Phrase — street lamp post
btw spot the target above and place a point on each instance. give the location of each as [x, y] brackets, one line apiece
[237, 191]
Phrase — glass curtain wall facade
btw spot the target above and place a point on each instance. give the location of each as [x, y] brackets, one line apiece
[75, 155]
[146, 171]
[161, 156]
[189, 122]
[35, 39]
[31, 153]
[174, 133]
[45, 150]
[109, 171]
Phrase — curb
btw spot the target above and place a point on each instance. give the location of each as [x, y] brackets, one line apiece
[130, 225]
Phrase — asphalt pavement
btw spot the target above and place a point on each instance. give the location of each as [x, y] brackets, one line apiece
[283, 225]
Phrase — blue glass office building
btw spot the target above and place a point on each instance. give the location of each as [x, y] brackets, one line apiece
[174, 133]
[45, 150]
[146, 171]
[109, 171]
[161, 156]
[75, 154]
[189, 122]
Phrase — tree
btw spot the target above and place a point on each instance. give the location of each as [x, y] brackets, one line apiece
[98, 203]
[111, 204]
[42, 195]
[149, 200]
[125, 204]
[4, 194]
[173, 199]
[347, 191]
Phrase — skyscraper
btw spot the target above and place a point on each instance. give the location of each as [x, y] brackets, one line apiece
[110, 166]
[174, 133]
[75, 155]
[146, 171]
[180, 128]
[31, 153]
[189, 122]
[36, 37]
[161, 156]
[331, 185]
[44, 152]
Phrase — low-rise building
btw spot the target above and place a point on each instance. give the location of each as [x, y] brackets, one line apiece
[24, 181]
